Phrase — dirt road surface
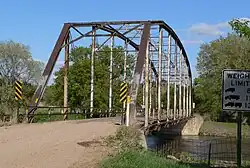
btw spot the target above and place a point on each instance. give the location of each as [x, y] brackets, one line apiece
[53, 145]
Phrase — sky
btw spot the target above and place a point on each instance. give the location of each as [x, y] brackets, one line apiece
[38, 23]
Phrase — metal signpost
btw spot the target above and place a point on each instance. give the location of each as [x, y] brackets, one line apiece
[236, 97]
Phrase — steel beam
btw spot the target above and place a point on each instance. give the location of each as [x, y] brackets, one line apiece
[129, 41]
[47, 71]
[132, 29]
[88, 34]
[138, 71]
[152, 22]
[66, 72]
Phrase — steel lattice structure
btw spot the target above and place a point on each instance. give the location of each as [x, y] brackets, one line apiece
[161, 61]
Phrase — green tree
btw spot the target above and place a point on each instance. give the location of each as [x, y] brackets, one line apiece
[16, 63]
[241, 27]
[79, 78]
[226, 52]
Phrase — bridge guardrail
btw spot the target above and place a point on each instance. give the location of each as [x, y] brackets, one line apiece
[55, 113]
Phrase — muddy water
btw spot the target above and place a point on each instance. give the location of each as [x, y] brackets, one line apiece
[199, 147]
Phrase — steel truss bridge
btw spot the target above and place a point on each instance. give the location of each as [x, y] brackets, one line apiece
[161, 67]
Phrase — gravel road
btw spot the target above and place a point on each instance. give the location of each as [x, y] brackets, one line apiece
[53, 145]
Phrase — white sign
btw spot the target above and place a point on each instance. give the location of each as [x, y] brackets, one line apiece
[236, 90]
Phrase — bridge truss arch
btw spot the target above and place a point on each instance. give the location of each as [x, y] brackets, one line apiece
[161, 68]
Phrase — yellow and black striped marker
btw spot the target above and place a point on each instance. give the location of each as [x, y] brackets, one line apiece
[18, 90]
[123, 92]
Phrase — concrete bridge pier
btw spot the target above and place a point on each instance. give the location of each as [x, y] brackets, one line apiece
[188, 126]
[183, 126]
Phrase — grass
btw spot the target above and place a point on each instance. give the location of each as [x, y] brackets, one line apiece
[222, 129]
[49, 118]
[140, 159]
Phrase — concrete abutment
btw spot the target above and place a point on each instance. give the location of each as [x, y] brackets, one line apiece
[186, 126]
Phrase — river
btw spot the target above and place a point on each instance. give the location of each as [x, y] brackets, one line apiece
[198, 146]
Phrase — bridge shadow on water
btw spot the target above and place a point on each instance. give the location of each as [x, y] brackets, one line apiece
[199, 151]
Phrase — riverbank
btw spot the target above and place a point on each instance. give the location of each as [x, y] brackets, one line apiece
[129, 152]
[210, 128]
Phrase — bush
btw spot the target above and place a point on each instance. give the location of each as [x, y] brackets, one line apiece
[125, 138]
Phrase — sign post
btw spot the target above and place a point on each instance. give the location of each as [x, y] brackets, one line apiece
[239, 138]
[236, 97]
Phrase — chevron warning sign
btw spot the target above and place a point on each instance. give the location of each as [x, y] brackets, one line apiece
[18, 90]
[123, 92]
